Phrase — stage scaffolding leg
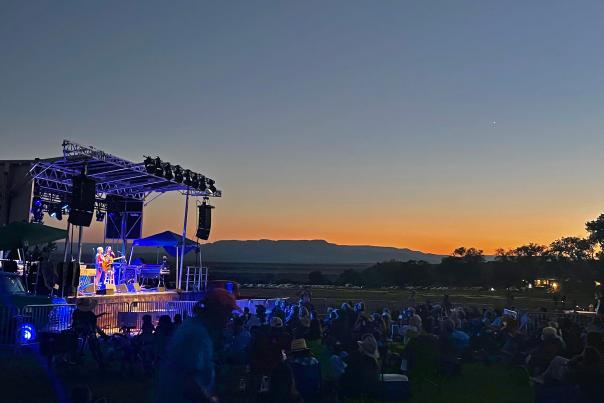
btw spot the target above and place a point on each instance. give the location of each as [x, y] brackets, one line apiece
[64, 270]
[177, 266]
[184, 239]
[74, 279]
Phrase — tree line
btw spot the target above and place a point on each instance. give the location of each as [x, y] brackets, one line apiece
[573, 259]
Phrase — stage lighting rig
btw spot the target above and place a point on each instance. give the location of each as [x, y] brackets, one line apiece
[159, 169]
[37, 210]
[149, 165]
[178, 176]
[56, 211]
[187, 177]
[202, 184]
[194, 180]
[100, 216]
[211, 186]
[168, 171]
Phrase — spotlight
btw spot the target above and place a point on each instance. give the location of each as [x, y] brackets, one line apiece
[187, 178]
[202, 183]
[159, 169]
[56, 211]
[149, 165]
[100, 216]
[194, 180]
[178, 174]
[168, 171]
[211, 186]
[26, 333]
[37, 210]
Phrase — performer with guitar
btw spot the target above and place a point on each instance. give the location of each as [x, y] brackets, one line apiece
[108, 260]
[99, 280]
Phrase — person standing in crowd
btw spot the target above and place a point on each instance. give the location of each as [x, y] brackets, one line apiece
[84, 323]
[187, 374]
[362, 374]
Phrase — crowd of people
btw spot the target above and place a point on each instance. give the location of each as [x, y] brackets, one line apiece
[292, 353]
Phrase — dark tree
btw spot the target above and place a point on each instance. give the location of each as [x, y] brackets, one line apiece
[317, 277]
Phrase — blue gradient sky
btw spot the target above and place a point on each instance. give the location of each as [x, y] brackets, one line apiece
[354, 121]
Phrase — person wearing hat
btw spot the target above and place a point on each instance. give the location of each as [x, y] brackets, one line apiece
[307, 370]
[84, 323]
[187, 372]
[551, 345]
[361, 378]
[280, 335]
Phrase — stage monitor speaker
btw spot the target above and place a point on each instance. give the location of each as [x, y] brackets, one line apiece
[205, 221]
[122, 288]
[134, 287]
[83, 194]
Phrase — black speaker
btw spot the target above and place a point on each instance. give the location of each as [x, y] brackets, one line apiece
[117, 207]
[83, 194]
[205, 221]
[68, 272]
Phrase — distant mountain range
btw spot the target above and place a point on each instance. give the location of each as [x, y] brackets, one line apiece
[307, 252]
[282, 252]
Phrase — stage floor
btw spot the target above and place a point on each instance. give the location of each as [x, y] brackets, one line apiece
[170, 295]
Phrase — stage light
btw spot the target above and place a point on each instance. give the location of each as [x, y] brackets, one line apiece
[178, 177]
[187, 177]
[211, 186]
[149, 165]
[202, 184]
[159, 169]
[56, 211]
[26, 333]
[37, 210]
[100, 216]
[168, 171]
[194, 180]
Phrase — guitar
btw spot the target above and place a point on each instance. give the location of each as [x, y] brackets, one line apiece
[108, 262]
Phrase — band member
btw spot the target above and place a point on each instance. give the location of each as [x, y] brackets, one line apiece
[109, 252]
[165, 266]
[109, 257]
[99, 280]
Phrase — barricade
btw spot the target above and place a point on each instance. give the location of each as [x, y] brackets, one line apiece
[8, 324]
[108, 315]
[48, 318]
[155, 309]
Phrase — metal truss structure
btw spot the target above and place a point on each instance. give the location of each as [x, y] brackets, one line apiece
[113, 175]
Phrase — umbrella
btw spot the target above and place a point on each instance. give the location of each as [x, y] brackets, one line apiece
[19, 234]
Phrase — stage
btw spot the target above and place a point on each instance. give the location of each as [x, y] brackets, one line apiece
[142, 296]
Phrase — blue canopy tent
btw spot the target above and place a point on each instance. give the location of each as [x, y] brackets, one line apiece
[172, 244]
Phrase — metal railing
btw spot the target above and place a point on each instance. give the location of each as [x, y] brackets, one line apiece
[108, 315]
[8, 324]
[48, 318]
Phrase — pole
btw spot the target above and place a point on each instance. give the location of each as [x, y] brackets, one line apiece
[65, 265]
[73, 280]
[184, 240]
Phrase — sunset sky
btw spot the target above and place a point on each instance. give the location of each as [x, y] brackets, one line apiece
[419, 124]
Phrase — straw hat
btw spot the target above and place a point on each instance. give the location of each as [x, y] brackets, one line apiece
[86, 304]
[276, 322]
[368, 346]
[299, 345]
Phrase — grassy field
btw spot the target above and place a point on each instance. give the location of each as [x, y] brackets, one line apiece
[375, 298]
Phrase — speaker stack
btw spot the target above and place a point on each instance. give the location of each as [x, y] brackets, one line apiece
[205, 221]
[83, 194]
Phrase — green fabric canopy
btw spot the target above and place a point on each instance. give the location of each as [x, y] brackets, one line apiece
[19, 234]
